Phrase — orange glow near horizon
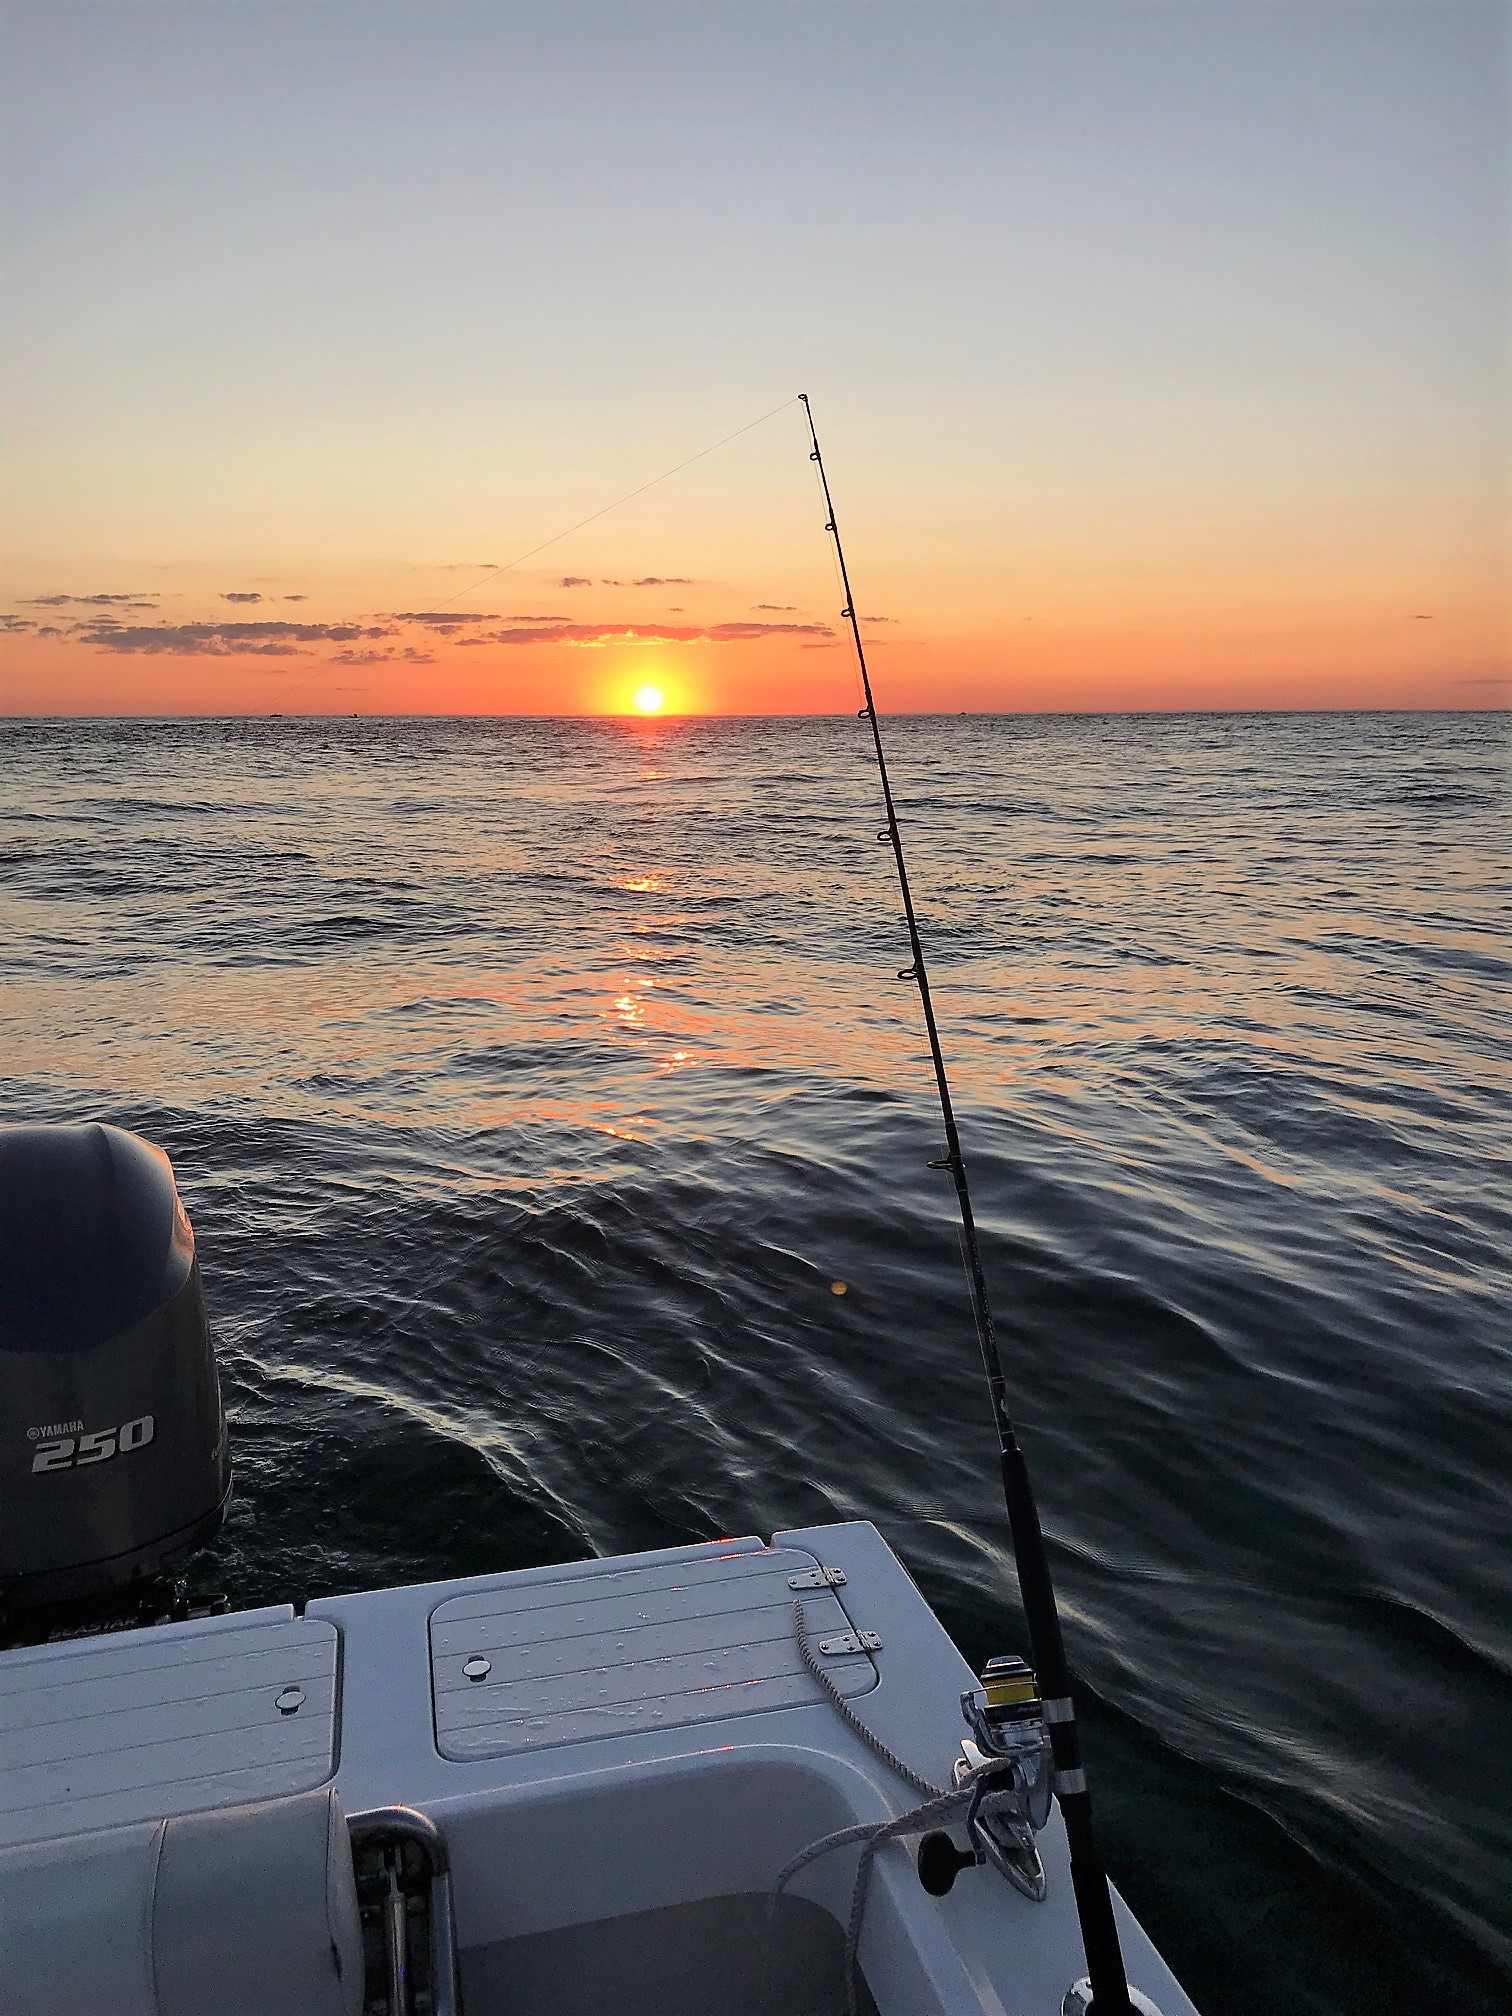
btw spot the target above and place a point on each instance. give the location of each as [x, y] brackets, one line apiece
[1107, 620]
[626, 690]
[1433, 665]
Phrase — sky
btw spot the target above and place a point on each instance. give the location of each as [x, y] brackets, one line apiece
[1161, 354]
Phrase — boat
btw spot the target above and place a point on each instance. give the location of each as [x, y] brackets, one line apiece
[749, 1776]
[746, 1777]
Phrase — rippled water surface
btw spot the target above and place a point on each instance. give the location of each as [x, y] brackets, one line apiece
[532, 1085]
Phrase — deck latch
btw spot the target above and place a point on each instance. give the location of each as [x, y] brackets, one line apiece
[850, 1641]
[818, 1578]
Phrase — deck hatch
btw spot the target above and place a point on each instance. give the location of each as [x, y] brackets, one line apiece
[626, 1651]
[177, 1719]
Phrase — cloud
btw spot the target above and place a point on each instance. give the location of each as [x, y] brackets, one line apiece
[445, 619]
[409, 656]
[133, 601]
[649, 633]
[553, 620]
[447, 616]
[879, 619]
[462, 567]
[268, 637]
[296, 598]
[829, 644]
[663, 581]
[574, 581]
[724, 633]
[220, 640]
[780, 608]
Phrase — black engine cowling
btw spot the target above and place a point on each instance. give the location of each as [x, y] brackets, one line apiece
[114, 1459]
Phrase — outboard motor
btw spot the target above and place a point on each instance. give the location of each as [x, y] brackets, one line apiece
[114, 1458]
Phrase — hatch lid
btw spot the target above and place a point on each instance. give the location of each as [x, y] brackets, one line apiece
[177, 1718]
[618, 1651]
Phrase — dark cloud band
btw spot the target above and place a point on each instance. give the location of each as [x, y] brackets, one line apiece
[221, 640]
[648, 633]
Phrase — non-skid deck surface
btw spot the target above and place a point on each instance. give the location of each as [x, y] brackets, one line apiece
[626, 1651]
[173, 1720]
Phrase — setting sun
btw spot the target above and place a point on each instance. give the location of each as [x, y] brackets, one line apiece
[648, 700]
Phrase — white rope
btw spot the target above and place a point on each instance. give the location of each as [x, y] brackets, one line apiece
[871, 1834]
[868, 1736]
[938, 1807]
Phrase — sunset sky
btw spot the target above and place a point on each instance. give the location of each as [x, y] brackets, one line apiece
[1160, 354]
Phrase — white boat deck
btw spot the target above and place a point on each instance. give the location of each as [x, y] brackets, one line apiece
[181, 1719]
[627, 1650]
[620, 1755]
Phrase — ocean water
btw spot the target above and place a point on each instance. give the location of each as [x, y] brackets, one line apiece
[532, 1086]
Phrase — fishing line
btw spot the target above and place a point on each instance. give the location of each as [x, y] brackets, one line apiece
[639, 491]
[494, 573]
[1089, 1881]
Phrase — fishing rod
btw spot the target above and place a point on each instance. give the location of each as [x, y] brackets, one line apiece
[1089, 1879]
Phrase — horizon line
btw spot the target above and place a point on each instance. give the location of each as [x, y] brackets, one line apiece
[817, 714]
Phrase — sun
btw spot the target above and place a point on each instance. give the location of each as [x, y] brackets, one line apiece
[649, 700]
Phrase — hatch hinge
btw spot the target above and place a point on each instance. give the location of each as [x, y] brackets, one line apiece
[850, 1641]
[818, 1578]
